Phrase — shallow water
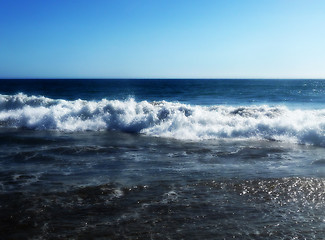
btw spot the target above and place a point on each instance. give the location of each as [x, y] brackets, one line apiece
[118, 185]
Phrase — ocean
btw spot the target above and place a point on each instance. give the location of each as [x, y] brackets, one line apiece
[162, 159]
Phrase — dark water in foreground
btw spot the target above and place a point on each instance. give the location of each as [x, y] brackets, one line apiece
[116, 185]
[136, 169]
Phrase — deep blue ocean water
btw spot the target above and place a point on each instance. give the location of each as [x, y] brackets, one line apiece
[294, 93]
[162, 159]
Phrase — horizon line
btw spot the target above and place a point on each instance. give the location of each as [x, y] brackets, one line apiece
[157, 78]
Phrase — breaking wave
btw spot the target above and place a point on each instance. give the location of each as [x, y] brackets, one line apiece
[164, 119]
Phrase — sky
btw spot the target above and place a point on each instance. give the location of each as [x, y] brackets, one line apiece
[162, 39]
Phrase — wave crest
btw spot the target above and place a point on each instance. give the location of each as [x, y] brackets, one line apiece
[164, 119]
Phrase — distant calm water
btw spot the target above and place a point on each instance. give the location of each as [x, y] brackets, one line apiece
[162, 159]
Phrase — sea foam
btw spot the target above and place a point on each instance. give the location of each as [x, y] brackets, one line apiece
[164, 119]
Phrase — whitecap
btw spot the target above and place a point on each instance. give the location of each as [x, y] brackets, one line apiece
[165, 119]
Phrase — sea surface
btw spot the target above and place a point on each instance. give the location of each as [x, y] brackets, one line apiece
[162, 159]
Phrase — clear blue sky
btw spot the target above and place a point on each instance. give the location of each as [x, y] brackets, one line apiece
[167, 38]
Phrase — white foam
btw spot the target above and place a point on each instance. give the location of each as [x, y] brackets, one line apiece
[164, 119]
